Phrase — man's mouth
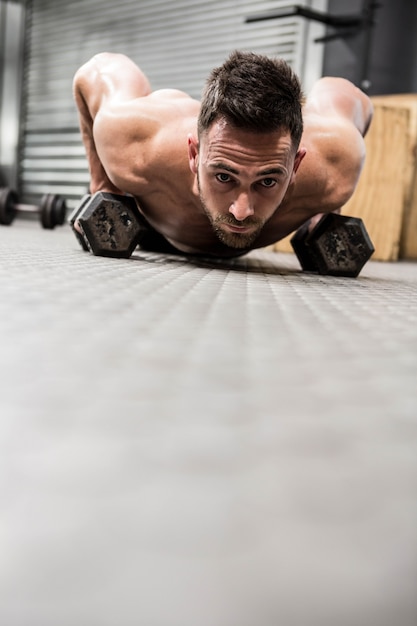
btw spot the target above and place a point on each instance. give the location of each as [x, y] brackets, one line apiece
[238, 229]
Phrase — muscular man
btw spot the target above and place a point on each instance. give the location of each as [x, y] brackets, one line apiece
[240, 170]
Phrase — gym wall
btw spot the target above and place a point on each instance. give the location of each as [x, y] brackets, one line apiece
[393, 56]
[175, 43]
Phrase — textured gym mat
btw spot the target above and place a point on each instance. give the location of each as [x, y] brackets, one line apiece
[197, 443]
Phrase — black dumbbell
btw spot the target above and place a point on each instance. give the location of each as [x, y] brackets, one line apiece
[52, 209]
[338, 245]
[110, 224]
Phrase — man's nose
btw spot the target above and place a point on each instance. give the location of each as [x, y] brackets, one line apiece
[242, 207]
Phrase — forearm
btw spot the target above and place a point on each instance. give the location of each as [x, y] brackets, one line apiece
[99, 181]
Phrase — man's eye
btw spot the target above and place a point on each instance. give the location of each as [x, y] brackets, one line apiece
[268, 182]
[223, 178]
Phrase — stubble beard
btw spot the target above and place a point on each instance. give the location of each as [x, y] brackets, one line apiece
[231, 239]
[227, 237]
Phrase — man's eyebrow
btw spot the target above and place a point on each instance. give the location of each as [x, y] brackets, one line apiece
[219, 165]
[272, 170]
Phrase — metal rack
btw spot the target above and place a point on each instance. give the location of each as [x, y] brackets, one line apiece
[345, 26]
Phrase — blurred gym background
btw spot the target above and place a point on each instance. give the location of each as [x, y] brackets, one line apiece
[43, 42]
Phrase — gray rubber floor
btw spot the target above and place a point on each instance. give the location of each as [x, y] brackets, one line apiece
[189, 443]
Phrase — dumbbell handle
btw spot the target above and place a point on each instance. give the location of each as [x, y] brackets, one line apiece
[26, 208]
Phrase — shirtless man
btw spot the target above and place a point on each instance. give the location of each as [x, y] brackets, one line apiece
[240, 170]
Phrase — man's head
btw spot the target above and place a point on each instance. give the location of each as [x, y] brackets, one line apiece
[253, 92]
[246, 154]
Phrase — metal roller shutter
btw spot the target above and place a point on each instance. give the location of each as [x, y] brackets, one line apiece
[175, 43]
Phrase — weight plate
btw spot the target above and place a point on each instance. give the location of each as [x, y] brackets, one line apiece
[45, 211]
[52, 210]
[8, 200]
[59, 210]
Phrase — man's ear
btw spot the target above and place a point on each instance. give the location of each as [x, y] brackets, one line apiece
[193, 153]
[297, 161]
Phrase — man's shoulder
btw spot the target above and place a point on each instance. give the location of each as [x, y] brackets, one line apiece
[142, 118]
[170, 94]
[335, 156]
[168, 104]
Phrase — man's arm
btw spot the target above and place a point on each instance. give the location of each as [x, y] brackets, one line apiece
[343, 114]
[104, 80]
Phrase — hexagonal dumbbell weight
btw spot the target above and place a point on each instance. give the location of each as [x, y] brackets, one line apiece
[109, 224]
[52, 209]
[338, 245]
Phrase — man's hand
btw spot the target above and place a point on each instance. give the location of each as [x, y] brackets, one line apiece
[313, 221]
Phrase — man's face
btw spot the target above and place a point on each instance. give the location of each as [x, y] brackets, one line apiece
[242, 178]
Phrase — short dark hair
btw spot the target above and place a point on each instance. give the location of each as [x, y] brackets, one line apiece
[255, 92]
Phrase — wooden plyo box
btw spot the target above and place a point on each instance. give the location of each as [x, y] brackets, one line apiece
[386, 195]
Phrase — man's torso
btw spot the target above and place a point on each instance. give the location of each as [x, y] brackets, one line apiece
[150, 161]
